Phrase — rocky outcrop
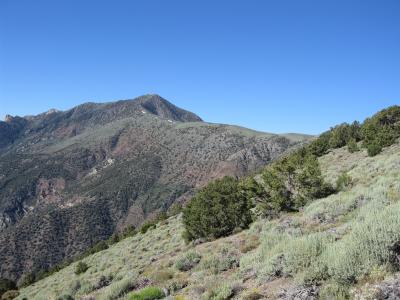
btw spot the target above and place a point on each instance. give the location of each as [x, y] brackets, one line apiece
[300, 293]
[386, 290]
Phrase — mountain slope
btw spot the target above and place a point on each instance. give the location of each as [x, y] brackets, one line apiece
[273, 259]
[70, 179]
[52, 126]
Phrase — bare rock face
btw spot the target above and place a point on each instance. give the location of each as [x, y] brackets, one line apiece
[385, 290]
[8, 119]
[300, 293]
[69, 179]
[50, 190]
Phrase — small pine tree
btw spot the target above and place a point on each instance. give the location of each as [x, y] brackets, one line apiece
[100, 246]
[381, 130]
[321, 145]
[149, 225]
[162, 216]
[291, 182]
[343, 181]
[129, 231]
[81, 267]
[374, 148]
[217, 210]
[352, 146]
[340, 135]
[115, 238]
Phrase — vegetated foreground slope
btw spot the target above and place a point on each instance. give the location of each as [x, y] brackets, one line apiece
[339, 247]
[71, 179]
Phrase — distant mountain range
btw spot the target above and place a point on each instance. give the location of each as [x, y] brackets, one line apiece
[69, 179]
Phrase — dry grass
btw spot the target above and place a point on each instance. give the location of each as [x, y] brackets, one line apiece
[334, 240]
[344, 237]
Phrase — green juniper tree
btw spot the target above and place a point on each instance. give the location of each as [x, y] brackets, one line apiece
[217, 210]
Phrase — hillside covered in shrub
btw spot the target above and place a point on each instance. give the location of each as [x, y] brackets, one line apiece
[72, 179]
[312, 225]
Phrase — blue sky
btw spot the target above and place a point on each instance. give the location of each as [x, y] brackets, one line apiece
[277, 66]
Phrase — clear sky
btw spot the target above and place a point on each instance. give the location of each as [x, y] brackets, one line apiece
[277, 66]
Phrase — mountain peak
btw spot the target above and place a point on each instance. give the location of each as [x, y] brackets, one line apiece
[157, 105]
[8, 118]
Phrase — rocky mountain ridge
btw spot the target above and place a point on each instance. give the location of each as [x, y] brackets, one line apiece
[69, 179]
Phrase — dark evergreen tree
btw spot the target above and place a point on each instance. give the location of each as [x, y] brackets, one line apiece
[381, 130]
[81, 267]
[340, 135]
[217, 210]
[352, 146]
[321, 145]
[291, 182]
